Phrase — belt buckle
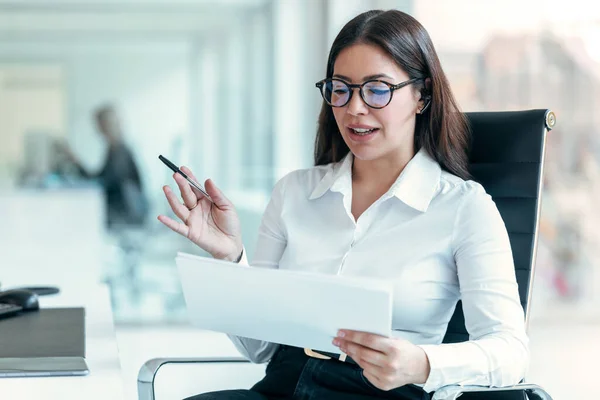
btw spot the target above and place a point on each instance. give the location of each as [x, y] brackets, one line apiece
[314, 354]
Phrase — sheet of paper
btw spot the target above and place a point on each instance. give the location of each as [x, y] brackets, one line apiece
[288, 307]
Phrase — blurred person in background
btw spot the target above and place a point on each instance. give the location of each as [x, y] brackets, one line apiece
[126, 202]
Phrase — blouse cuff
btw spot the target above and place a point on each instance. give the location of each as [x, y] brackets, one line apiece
[454, 364]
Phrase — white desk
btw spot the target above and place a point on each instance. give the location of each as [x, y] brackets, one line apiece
[54, 237]
[104, 381]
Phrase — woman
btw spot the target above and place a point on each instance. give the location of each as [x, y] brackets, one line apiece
[390, 198]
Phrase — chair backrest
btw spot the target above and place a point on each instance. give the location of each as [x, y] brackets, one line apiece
[507, 158]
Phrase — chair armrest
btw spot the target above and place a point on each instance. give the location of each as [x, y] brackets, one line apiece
[148, 371]
[534, 392]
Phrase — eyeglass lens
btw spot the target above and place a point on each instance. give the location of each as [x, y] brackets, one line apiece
[375, 94]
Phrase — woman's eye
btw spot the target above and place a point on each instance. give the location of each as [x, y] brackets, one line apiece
[378, 92]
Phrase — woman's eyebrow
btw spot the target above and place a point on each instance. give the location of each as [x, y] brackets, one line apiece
[366, 78]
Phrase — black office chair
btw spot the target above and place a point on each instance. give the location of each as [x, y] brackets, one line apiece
[507, 158]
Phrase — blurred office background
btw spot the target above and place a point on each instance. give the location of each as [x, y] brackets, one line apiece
[227, 88]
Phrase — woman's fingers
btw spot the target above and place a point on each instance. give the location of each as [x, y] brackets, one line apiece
[190, 175]
[178, 227]
[218, 197]
[179, 209]
[369, 340]
[188, 196]
[375, 370]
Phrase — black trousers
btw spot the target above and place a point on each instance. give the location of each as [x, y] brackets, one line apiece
[293, 375]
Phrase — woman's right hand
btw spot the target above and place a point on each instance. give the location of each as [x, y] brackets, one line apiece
[215, 227]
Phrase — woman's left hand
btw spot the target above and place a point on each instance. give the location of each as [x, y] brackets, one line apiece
[387, 363]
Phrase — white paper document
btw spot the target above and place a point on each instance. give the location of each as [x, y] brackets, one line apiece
[289, 307]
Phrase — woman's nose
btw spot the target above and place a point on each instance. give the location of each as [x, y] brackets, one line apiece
[357, 106]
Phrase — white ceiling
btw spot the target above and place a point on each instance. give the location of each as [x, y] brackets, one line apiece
[62, 19]
[128, 3]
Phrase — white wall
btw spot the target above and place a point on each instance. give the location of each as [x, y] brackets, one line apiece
[32, 102]
[148, 82]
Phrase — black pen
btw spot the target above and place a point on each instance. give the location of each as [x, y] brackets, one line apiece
[176, 169]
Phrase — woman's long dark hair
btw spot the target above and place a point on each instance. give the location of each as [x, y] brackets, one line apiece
[441, 129]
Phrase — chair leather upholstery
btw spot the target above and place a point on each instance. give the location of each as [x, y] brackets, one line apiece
[506, 157]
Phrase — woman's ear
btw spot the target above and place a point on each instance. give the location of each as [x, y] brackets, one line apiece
[425, 99]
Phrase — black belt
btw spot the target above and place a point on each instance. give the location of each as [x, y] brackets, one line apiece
[323, 355]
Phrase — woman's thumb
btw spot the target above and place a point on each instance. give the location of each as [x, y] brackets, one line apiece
[215, 193]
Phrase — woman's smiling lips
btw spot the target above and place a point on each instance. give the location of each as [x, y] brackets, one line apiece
[360, 132]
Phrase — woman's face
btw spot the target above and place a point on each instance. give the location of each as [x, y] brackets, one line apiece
[392, 127]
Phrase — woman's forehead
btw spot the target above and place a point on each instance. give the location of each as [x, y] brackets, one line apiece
[363, 60]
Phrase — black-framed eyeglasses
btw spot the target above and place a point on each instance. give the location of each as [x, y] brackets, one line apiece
[375, 93]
